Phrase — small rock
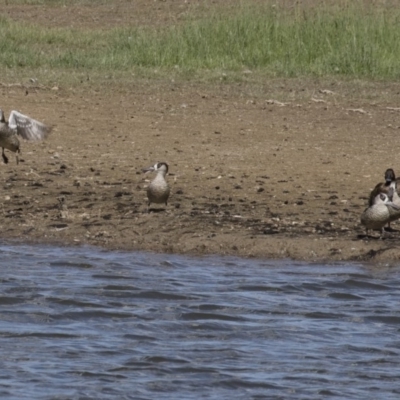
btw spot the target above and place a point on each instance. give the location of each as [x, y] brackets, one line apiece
[85, 216]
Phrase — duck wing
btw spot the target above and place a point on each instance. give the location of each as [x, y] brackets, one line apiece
[379, 188]
[383, 187]
[27, 127]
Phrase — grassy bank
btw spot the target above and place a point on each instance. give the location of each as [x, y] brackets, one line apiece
[348, 41]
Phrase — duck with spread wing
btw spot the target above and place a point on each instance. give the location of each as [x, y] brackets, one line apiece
[19, 125]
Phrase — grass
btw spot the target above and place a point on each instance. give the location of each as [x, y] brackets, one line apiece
[55, 2]
[347, 41]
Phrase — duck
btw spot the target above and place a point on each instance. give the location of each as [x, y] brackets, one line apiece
[382, 211]
[19, 125]
[158, 190]
[385, 187]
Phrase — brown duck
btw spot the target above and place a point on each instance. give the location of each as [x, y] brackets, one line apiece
[158, 189]
[381, 212]
[19, 125]
[384, 187]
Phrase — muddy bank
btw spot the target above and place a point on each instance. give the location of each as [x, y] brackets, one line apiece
[251, 174]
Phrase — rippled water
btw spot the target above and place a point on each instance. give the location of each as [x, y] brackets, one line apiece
[82, 323]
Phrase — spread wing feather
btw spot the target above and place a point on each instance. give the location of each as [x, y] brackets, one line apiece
[27, 127]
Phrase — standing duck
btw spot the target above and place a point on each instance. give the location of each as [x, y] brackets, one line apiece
[382, 211]
[158, 190]
[22, 125]
[385, 187]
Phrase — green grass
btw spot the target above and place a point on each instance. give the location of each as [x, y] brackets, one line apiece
[347, 41]
[56, 2]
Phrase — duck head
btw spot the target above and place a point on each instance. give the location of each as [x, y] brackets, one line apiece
[389, 175]
[160, 166]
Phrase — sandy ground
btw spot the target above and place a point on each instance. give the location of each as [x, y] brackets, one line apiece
[278, 170]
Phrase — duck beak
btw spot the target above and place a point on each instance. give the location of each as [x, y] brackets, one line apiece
[395, 206]
[147, 170]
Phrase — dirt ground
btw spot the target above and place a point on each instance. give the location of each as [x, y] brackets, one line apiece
[278, 170]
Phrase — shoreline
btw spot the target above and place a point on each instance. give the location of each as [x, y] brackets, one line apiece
[249, 177]
[306, 249]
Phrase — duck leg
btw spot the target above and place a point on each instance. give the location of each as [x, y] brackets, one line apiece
[5, 159]
[16, 155]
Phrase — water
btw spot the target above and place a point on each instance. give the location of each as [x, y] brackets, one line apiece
[82, 323]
